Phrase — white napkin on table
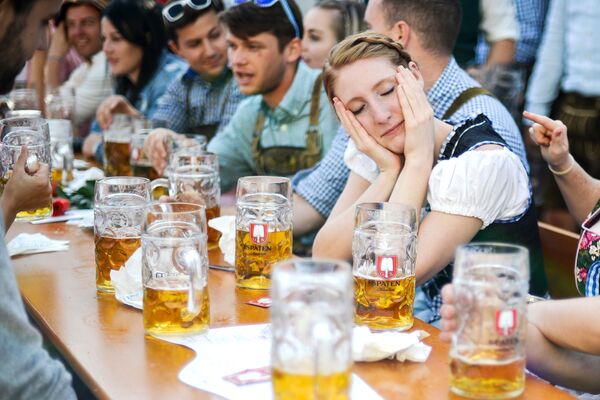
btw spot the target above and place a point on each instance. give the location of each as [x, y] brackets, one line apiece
[225, 225]
[81, 177]
[127, 281]
[369, 346]
[27, 243]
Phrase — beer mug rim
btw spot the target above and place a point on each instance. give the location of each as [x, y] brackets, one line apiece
[29, 121]
[123, 180]
[385, 207]
[288, 267]
[39, 144]
[261, 182]
[496, 250]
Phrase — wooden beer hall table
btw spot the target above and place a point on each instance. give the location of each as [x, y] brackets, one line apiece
[104, 342]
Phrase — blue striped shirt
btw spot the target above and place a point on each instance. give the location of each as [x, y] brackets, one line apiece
[207, 103]
[323, 184]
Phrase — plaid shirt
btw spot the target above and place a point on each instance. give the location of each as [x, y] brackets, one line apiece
[531, 15]
[323, 184]
[209, 102]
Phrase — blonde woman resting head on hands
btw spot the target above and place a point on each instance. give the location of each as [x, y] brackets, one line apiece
[472, 185]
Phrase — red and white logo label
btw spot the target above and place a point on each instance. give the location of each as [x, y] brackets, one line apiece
[506, 322]
[258, 233]
[387, 266]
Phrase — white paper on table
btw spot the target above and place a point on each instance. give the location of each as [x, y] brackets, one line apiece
[225, 225]
[127, 281]
[224, 351]
[32, 243]
[369, 346]
[85, 218]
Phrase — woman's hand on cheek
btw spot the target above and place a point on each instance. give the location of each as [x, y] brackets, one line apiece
[418, 117]
[386, 160]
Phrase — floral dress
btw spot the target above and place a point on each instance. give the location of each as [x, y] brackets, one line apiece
[587, 263]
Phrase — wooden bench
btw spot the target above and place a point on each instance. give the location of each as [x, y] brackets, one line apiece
[559, 248]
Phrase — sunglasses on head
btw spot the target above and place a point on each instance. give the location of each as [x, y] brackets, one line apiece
[176, 9]
[269, 3]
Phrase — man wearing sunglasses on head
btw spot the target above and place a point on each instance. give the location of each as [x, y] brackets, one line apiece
[203, 100]
[287, 123]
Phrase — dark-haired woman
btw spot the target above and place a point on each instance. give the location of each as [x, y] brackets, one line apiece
[135, 47]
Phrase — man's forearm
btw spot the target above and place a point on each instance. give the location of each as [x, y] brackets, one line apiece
[8, 212]
[52, 71]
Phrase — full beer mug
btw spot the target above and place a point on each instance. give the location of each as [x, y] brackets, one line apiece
[312, 320]
[487, 355]
[38, 151]
[119, 217]
[175, 270]
[117, 140]
[61, 147]
[194, 178]
[263, 228]
[384, 254]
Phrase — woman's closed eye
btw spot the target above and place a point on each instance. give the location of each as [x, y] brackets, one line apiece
[389, 91]
[357, 110]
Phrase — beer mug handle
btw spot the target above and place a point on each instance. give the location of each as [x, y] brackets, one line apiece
[158, 183]
[188, 260]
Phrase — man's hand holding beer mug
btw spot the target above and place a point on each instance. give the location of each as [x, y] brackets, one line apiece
[28, 189]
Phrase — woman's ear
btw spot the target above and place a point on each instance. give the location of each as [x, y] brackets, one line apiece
[414, 68]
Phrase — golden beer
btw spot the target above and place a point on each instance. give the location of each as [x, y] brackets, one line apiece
[144, 171]
[213, 234]
[116, 155]
[253, 260]
[111, 254]
[487, 379]
[289, 386]
[384, 304]
[37, 213]
[166, 311]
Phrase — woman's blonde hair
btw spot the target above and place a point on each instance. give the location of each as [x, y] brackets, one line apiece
[359, 47]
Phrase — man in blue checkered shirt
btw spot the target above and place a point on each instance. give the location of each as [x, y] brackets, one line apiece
[411, 23]
[203, 99]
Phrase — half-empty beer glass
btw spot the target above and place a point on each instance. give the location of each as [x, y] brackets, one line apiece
[312, 320]
[194, 178]
[38, 153]
[263, 228]
[384, 253]
[61, 144]
[117, 140]
[487, 356]
[175, 271]
[119, 217]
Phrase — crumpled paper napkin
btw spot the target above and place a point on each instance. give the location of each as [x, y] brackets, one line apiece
[369, 346]
[28, 243]
[127, 281]
[81, 177]
[225, 225]
[85, 222]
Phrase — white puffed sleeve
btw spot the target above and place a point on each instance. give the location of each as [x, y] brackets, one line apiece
[491, 185]
[359, 163]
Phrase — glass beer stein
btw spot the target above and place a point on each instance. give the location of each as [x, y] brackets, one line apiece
[119, 217]
[175, 270]
[384, 253]
[263, 228]
[140, 164]
[24, 100]
[117, 140]
[61, 148]
[36, 124]
[312, 320]
[487, 355]
[194, 178]
[38, 151]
